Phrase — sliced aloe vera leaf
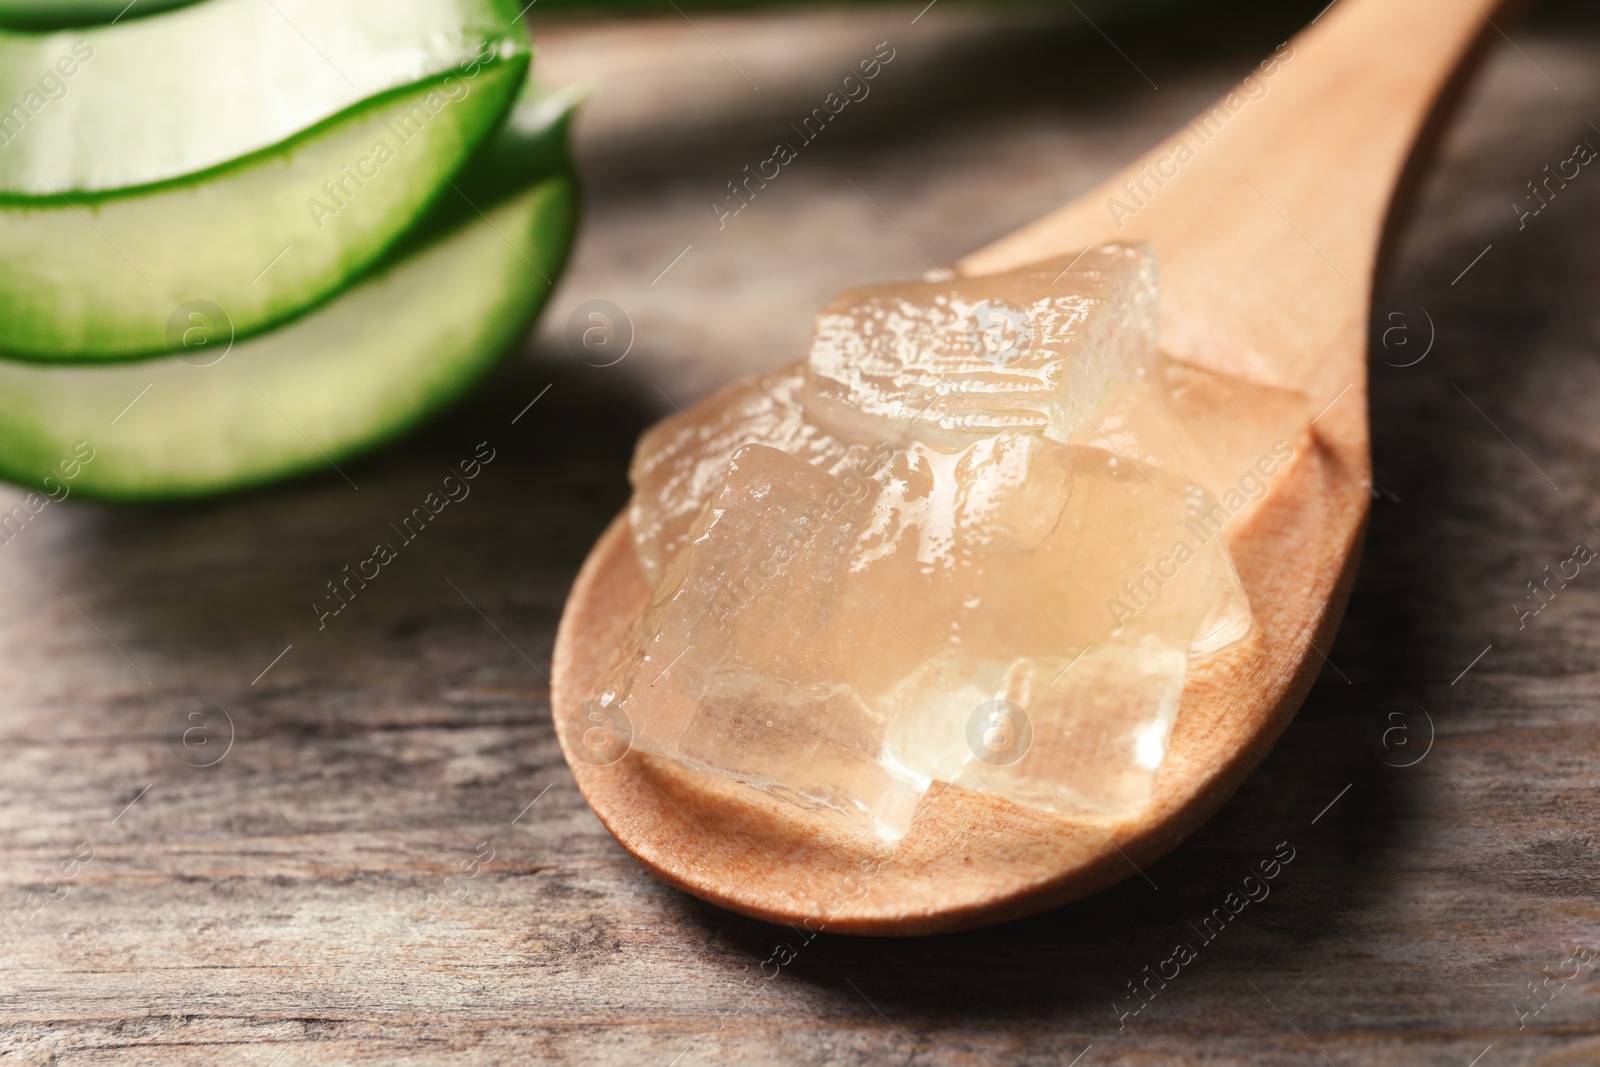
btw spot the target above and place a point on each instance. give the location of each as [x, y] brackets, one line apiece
[115, 107]
[414, 332]
[261, 239]
[410, 335]
[349, 375]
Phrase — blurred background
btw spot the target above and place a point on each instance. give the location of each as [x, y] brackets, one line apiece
[959, 141]
[285, 902]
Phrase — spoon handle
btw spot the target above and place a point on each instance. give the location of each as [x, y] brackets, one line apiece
[1268, 209]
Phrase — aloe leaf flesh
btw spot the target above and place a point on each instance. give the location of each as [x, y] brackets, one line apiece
[114, 107]
[96, 271]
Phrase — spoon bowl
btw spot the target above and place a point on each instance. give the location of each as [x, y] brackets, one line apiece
[1268, 213]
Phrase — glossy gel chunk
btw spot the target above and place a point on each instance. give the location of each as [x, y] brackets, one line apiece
[951, 362]
[957, 544]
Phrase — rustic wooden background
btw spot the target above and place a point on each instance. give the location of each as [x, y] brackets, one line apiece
[303, 876]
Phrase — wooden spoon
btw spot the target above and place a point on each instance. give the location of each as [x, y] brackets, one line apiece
[1268, 222]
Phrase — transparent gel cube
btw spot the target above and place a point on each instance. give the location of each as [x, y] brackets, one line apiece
[976, 537]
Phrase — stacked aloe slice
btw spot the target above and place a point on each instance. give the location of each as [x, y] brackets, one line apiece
[245, 238]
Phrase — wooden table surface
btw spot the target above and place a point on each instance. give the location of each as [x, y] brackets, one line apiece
[231, 836]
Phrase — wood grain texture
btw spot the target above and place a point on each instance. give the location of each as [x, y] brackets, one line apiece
[208, 929]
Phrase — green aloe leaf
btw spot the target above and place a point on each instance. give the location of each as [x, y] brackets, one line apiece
[410, 335]
[53, 14]
[251, 153]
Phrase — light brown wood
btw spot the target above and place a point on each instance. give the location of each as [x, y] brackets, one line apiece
[1268, 215]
